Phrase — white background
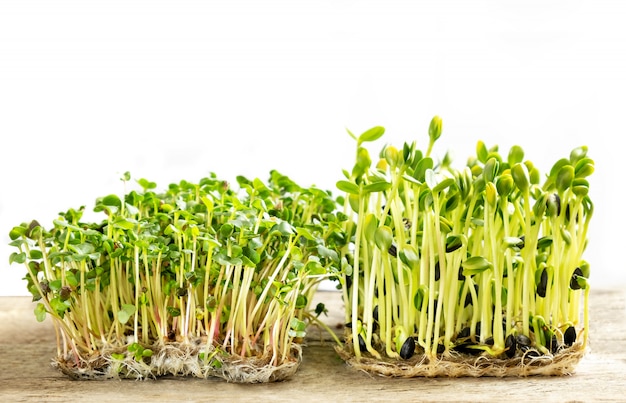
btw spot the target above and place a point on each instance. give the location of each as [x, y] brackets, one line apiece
[175, 90]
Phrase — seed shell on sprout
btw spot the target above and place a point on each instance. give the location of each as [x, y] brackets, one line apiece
[467, 348]
[523, 340]
[468, 297]
[573, 283]
[510, 343]
[393, 250]
[569, 337]
[408, 348]
[553, 344]
[543, 284]
[362, 345]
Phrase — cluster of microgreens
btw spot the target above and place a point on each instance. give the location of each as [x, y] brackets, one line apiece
[430, 259]
[487, 258]
[200, 263]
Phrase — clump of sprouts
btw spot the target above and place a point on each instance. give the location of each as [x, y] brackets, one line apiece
[465, 272]
[198, 280]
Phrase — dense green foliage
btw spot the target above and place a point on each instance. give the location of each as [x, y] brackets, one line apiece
[236, 269]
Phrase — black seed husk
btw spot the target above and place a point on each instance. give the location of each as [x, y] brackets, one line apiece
[460, 275]
[511, 345]
[569, 337]
[408, 348]
[465, 348]
[393, 251]
[573, 284]
[468, 297]
[362, 345]
[553, 344]
[523, 340]
[452, 247]
[543, 284]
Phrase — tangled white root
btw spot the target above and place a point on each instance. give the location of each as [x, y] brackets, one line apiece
[179, 359]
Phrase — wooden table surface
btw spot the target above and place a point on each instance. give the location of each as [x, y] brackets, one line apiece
[27, 347]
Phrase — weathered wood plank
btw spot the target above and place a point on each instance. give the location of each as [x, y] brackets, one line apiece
[26, 348]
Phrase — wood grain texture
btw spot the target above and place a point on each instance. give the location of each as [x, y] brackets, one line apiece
[27, 347]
